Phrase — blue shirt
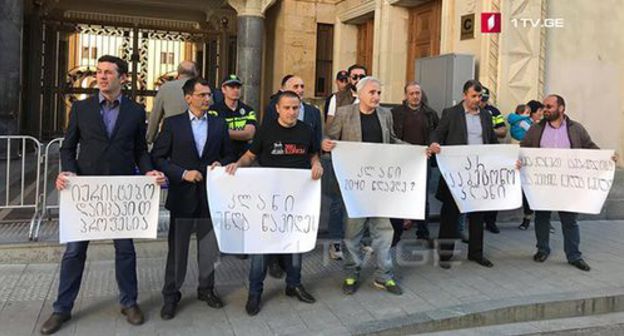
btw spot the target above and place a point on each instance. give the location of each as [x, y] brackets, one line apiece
[301, 115]
[109, 112]
[200, 131]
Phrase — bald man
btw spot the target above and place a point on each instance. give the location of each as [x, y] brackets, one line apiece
[169, 100]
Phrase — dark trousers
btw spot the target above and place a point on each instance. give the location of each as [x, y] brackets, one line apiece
[422, 227]
[180, 230]
[448, 231]
[526, 209]
[72, 267]
[489, 217]
[258, 270]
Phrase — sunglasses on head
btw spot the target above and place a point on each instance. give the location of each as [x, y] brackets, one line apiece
[356, 77]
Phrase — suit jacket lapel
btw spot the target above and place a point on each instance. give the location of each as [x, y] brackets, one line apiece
[94, 107]
[461, 116]
[356, 122]
[211, 129]
[381, 116]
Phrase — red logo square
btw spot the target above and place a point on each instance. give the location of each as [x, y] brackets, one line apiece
[490, 22]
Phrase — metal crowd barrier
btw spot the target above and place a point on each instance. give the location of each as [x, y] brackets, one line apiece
[45, 202]
[21, 154]
[40, 202]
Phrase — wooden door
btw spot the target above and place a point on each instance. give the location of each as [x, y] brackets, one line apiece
[365, 44]
[423, 33]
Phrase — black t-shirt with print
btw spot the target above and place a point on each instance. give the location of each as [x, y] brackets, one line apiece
[280, 147]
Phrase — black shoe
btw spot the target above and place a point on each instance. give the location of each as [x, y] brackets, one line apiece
[540, 257]
[54, 323]
[242, 256]
[445, 264]
[525, 224]
[168, 311]
[349, 286]
[253, 305]
[300, 293]
[211, 299]
[483, 261]
[580, 264]
[134, 315]
[492, 228]
[275, 270]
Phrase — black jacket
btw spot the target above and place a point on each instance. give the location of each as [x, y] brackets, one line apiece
[175, 151]
[398, 116]
[99, 154]
[452, 130]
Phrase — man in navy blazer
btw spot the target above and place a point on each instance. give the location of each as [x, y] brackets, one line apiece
[187, 145]
[110, 130]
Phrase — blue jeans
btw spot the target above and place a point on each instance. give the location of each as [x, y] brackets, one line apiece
[381, 233]
[571, 233]
[336, 207]
[72, 267]
[258, 270]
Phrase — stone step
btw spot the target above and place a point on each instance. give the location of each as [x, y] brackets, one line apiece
[605, 324]
[496, 314]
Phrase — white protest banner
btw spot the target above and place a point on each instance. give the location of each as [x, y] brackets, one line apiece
[575, 180]
[381, 180]
[482, 177]
[264, 210]
[109, 207]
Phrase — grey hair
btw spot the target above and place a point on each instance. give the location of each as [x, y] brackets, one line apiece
[364, 81]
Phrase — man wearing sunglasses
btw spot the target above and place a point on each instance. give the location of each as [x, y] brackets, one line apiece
[348, 96]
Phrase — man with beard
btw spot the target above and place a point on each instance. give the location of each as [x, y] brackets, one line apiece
[557, 130]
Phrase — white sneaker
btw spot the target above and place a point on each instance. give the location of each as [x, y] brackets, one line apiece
[335, 251]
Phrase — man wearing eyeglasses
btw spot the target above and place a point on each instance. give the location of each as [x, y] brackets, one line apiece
[185, 148]
[348, 96]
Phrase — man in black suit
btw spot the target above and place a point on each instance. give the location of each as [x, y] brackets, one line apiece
[186, 146]
[110, 130]
[462, 124]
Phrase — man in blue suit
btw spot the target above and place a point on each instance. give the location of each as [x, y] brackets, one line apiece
[110, 130]
[187, 144]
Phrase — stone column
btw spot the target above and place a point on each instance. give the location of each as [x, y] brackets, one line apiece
[249, 46]
[11, 25]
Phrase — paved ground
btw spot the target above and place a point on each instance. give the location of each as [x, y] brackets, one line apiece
[27, 290]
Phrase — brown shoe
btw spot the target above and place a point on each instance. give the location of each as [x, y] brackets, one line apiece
[133, 314]
[54, 323]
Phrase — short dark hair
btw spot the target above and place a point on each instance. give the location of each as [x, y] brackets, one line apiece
[286, 79]
[560, 100]
[356, 66]
[122, 66]
[287, 93]
[189, 86]
[473, 83]
[534, 105]
[520, 108]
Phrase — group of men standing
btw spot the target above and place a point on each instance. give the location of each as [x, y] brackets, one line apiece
[199, 133]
